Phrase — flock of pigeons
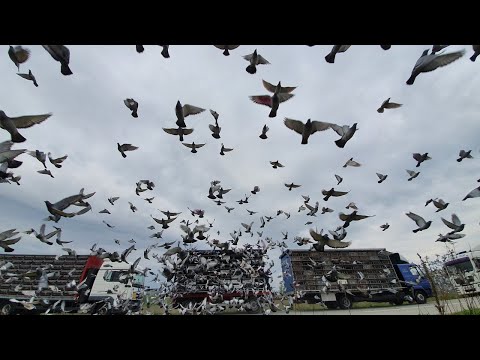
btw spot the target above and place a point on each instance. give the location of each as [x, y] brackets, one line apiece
[195, 229]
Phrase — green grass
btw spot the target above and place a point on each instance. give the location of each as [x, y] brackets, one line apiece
[467, 312]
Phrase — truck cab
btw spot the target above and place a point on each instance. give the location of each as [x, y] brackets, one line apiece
[463, 270]
[114, 282]
[415, 281]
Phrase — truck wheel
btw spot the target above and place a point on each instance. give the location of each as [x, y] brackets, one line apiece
[344, 302]
[420, 297]
[332, 305]
[7, 309]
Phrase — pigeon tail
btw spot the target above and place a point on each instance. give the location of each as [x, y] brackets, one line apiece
[273, 113]
[251, 69]
[134, 114]
[416, 230]
[17, 138]
[411, 80]
[380, 110]
[226, 53]
[459, 159]
[330, 58]
[65, 70]
[340, 143]
[123, 154]
[165, 53]
[474, 57]
[263, 136]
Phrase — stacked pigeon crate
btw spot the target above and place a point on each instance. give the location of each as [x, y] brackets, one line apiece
[376, 268]
[193, 278]
[23, 264]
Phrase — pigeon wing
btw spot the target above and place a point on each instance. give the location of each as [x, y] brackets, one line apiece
[27, 121]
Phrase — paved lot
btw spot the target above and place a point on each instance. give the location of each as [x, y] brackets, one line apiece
[414, 309]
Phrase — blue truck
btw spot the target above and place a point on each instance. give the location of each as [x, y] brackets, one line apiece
[340, 277]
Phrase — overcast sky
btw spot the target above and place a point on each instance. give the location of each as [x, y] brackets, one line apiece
[440, 115]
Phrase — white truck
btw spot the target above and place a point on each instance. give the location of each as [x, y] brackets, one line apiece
[36, 282]
[463, 269]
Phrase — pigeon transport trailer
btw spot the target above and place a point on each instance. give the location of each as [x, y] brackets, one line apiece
[225, 281]
[341, 277]
[463, 270]
[103, 281]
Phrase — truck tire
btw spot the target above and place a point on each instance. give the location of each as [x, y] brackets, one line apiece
[344, 302]
[7, 309]
[420, 297]
[332, 305]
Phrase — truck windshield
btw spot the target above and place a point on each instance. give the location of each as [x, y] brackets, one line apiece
[138, 280]
[461, 267]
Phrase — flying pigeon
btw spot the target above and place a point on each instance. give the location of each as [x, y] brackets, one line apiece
[421, 158]
[113, 199]
[412, 174]
[381, 178]
[472, 194]
[223, 150]
[61, 54]
[291, 186]
[276, 164]
[104, 211]
[456, 224]
[431, 62]
[330, 58]
[384, 226]
[186, 110]
[193, 146]
[280, 94]
[18, 55]
[332, 192]
[464, 155]
[226, 48]
[346, 132]
[476, 52]
[254, 59]
[352, 205]
[181, 132]
[125, 147]
[421, 223]
[215, 129]
[263, 135]
[307, 129]
[165, 52]
[339, 179]
[58, 161]
[352, 217]
[326, 209]
[388, 105]
[351, 162]
[22, 122]
[132, 105]
[30, 77]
